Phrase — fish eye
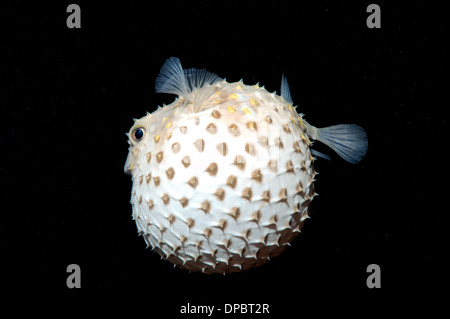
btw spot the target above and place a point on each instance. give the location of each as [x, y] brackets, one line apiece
[138, 134]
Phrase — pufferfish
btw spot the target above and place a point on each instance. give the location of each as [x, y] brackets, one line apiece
[223, 177]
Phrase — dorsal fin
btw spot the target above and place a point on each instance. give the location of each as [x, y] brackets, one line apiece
[198, 78]
[285, 93]
[174, 80]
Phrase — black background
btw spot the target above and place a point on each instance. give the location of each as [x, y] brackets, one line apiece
[70, 95]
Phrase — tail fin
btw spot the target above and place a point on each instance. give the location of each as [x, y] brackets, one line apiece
[348, 140]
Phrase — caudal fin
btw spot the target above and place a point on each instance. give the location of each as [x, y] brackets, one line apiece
[348, 140]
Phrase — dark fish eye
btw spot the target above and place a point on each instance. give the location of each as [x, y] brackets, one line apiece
[138, 134]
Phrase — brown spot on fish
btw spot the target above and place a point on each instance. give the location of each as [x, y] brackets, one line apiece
[289, 167]
[216, 114]
[159, 156]
[256, 216]
[235, 212]
[170, 172]
[212, 169]
[257, 175]
[165, 198]
[222, 224]
[176, 147]
[211, 128]
[232, 181]
[186, 161]
[278, 142]
[184, 201]
[190, 222]
[283, 195]
[220, 194]
[303, 165]
[266, 196]
[222, 148]
[207, 233]
[299, 189]
[206, 206]
[239, 161]
[251, 126]
[263, 140]
[297, 147]
[273, 165]
[234, 130]
[250, 148]
[171, 219]
[200, 145]
[193, 182]
[247, 193]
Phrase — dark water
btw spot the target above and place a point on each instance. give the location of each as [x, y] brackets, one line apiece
[71, 94]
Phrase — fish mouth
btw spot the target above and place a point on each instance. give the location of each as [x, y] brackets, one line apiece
[128, 164]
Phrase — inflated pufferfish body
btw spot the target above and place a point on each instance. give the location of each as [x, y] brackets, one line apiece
[223, 176]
